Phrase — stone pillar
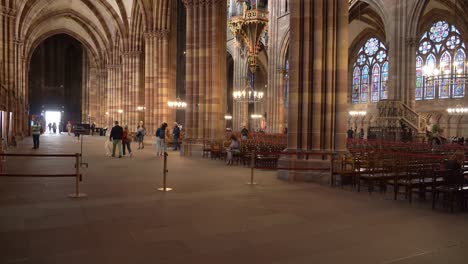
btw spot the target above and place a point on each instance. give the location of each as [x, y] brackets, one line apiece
[131, 88]
[103, 109]
[93, 94]
[240, 109]
[7, 63]
[157, 83]
[402, 54]
[150, 81]
[319, 64]
[114, 88]
[206, 68]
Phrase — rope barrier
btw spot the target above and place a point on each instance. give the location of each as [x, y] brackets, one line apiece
[77, 174]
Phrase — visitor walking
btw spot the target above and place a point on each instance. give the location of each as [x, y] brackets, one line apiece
[50, 127]
[54, 128]
[36, 130]
[141, 133]
[93, 127]
[160, 140]
[115, 137]
[60, 127]
[69, 127]
[176, 134]
[126, 141]
[244, 133]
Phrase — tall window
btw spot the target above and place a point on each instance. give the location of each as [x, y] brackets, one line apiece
[370, 73]
[440, 60]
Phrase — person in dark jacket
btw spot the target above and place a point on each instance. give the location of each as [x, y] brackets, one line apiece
[176, 134]
[160, 140]
[116, 136]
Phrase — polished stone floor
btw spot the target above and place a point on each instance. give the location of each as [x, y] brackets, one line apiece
[210, 217]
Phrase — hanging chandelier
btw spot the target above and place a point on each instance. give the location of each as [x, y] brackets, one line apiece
[177, 104]
[247, 95]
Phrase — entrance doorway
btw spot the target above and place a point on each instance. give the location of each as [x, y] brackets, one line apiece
[52, 117]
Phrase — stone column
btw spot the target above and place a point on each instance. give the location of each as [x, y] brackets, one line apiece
[157, 83]
[114, 89]
[103, 109]
[93, 94]
[206, 68]
[240, 110]
[319, 64]
[7, 63]
[402, 54]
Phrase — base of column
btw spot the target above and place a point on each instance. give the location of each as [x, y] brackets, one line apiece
[298, 170]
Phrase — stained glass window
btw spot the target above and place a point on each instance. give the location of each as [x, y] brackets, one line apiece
[356, 84]
[444, 86]
[384, 82]
[439, 31]
[375, 83]
[459, 85]
[440, 57]
[365, 84]
[429, 91]
[370, 73]
[419, 78]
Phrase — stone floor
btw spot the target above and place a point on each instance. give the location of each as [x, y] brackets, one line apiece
[210, 217]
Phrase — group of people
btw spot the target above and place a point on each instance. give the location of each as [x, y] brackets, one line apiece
[37, 129]
[53, 127]
[121, 138]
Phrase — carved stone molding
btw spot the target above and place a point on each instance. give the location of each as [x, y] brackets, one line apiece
[131, 53]
[158, 34]
[8, 12]
[113, 66]
[412, 42]
[197, 3]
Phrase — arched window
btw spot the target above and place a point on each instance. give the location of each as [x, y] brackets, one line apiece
[440, 60]
[356, 84]
[375, 83]
[370, 71]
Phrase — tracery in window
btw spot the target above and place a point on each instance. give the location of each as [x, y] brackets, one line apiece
[370, 73]
[440, 60]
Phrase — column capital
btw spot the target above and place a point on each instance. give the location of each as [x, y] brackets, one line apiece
[8, 12]
[131, 53]
[411, 41]
[158, 34]
[195, 3]
[113, 66]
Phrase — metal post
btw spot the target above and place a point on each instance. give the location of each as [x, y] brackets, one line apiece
[332, 157]
[252, 166]
[165, 171]
[77, 193]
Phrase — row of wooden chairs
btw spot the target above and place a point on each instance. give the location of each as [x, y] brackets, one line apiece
[406, 174]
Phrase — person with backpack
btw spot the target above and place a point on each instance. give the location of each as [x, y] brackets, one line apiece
[140, 135]
[160, 140]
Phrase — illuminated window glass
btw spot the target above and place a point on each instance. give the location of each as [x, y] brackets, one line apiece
[370, 73]
[440, 60]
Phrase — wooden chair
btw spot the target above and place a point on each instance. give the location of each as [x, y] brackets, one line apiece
[346, 171]
[453, 189]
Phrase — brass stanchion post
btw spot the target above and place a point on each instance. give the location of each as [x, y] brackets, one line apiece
[252, 167]
[165, 171]
[77, 193]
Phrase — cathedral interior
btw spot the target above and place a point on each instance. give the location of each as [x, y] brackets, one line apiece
[369, 95]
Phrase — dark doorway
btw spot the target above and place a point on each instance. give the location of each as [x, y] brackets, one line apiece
[55, 78]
